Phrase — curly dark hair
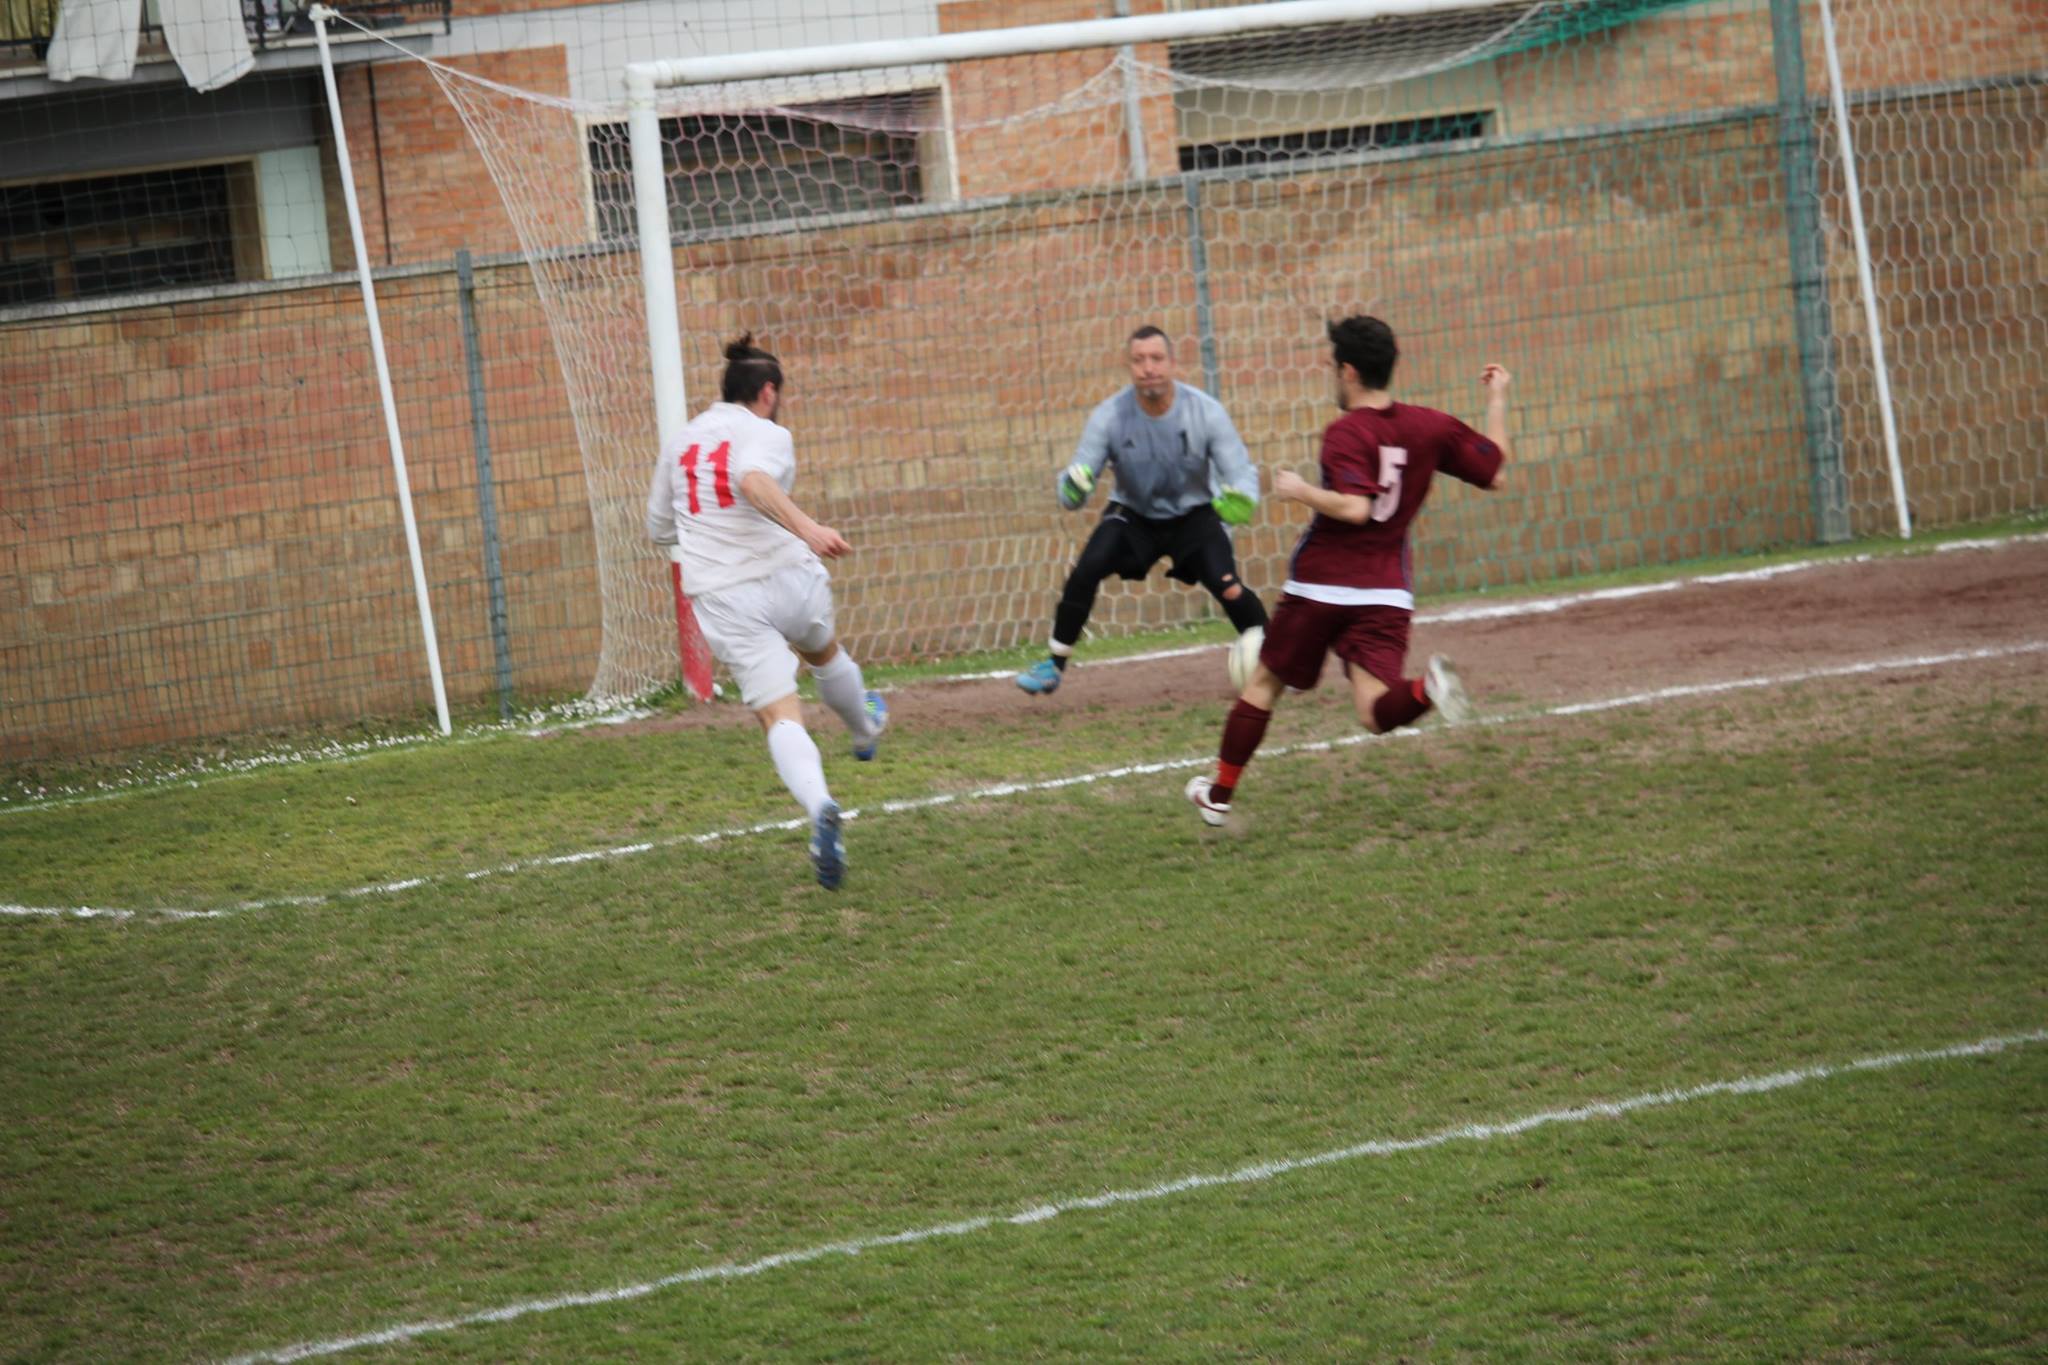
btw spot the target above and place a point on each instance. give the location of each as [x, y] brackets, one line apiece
[1367, 345]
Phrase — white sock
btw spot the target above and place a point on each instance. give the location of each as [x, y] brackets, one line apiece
[841, 687]
[797, 763]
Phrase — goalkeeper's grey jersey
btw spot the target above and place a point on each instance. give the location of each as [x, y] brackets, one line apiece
[1169, 465]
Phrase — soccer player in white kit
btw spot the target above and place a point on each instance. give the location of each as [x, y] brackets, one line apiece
[751, 564]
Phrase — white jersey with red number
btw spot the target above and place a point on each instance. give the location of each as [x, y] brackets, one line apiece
[696, 503]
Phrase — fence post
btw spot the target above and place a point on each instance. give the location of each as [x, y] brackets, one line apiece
[1796, 154]
[486, 490]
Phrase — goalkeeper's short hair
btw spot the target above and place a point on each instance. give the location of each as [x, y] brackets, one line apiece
[1146, 333]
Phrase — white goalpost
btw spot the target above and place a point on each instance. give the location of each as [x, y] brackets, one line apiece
[1881, 372]
[321, 14]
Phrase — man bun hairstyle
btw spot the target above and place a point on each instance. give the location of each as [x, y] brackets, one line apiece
[1367, 345]
[748, 370]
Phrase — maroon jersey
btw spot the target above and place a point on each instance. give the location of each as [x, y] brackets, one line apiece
[1390, 455]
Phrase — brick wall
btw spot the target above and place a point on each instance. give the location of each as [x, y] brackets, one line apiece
[423, 189]
[208, 540]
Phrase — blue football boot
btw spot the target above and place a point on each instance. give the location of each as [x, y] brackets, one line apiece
[1042, 679]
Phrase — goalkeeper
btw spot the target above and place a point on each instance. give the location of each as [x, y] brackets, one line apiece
[1182, 471]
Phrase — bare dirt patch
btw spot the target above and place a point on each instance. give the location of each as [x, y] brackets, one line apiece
[1824, 616]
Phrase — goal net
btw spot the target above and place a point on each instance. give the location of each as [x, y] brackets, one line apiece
[1635, 205]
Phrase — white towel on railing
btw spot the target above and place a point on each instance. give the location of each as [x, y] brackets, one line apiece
[209, 38]
[95, 38]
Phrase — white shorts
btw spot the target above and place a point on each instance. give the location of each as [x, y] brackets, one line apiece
[755, 627]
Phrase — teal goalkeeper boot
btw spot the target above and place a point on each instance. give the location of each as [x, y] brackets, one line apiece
[1041, 679]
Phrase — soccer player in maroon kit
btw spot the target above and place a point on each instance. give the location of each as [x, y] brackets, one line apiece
[1349, 588]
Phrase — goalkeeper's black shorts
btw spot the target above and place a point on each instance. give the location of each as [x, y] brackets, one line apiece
[1129, 545]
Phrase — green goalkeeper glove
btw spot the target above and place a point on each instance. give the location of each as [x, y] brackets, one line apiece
[1234, 506]
[1076, 483]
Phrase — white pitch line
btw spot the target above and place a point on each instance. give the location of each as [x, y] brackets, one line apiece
[1991, 542]
[1003, 790]
[1152, 656]
[1807, 675]
[65, 912]
[332, 753]
[1242, 1175]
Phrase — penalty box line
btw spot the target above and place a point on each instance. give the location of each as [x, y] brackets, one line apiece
[1008, 789]
[1242, 1175]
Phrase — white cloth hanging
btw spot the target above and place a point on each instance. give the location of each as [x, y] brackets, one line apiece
[209, 39]
[95, 38]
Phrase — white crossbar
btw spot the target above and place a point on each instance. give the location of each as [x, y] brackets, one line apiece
[645, 77]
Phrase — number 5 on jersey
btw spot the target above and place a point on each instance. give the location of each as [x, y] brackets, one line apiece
[1393, 460]
[720, 461]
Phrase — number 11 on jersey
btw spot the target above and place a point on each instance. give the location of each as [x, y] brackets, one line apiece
[720, 461]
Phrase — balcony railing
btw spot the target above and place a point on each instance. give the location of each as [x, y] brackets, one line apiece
[26, 26]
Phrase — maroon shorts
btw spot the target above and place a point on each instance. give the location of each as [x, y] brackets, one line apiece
[1302, 631]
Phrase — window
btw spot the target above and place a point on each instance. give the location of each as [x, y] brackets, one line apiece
[118, 234]
[1283, 147]
[733, 170]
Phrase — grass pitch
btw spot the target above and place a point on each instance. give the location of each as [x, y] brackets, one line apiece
[301, 1123]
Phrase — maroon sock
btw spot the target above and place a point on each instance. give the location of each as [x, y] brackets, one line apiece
[1241, 735]
[1402, 704]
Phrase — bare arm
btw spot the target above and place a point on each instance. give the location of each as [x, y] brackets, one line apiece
[1355, 508]
[1494, 426]
[777, 506]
